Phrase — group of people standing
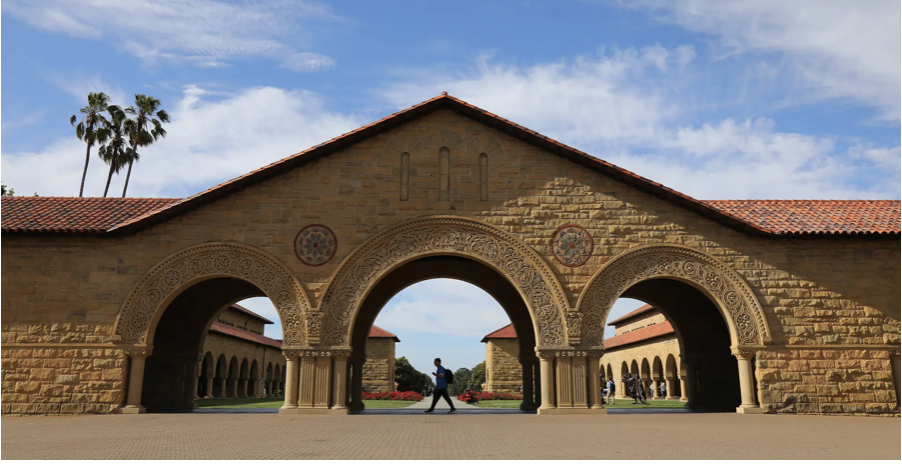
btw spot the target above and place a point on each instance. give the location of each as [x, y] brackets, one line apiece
[635, 389]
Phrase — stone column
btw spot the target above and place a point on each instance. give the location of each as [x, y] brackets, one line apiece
[546, 372]
[669, 382]
[190, 385]
[580, 383]
[305, 384]
[691, 386]
[135, 381]
[291, 379]
[656, 385]
[340, 382]
[621, 392]
[683, 396]
[526, 365]
[564, 382]
[747, 382]
[242, 388]
[210, 381]
[595, 382]
[323, 379]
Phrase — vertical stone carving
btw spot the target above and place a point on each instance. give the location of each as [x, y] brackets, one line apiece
[444, 174]
[170, 277]
[732, 294]
[405, 176]
[483, 177]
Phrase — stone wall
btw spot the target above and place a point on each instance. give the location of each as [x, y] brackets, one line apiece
[842, 292]
[379, 368]
[503, 371]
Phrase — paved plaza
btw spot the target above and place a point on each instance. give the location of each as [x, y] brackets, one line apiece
[449, 436]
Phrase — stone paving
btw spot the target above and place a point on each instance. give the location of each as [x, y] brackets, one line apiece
[450, 436]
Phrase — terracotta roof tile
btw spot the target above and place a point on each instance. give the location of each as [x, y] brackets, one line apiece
[244, 310]
[378, 332]
[504, 332]
[73, 215]
[631, 314]
[638, 335]
[223, 329]
[797, 217]
[90, 217]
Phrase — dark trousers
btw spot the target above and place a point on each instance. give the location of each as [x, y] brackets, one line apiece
[441, 393]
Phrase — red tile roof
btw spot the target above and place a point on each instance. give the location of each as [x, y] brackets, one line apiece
[244, 310]
[134, 221]
[638, 335]
[378, 332]
[221, 328]
[631, 314]
[64, 215]
[799, 217]
[504, 332]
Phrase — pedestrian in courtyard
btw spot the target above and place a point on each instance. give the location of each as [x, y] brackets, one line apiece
[611, 392]
[640, 390]
[441, 387]
[663, 390]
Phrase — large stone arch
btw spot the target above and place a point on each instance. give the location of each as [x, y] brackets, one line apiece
[730, 292]
[444, 235]
[145, 304]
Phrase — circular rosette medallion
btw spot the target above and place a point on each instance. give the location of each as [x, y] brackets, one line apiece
[572, 245]
[315, 245]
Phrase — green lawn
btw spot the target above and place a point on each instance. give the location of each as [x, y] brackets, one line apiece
[219, 403]
[499, 404]
[628, 403]
[276, 403]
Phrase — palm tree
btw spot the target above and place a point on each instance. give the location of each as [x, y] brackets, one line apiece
[116, 151]
[146, 129]
[91, 127]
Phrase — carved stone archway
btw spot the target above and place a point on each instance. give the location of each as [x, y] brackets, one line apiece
[732, 295]
[159, 286]
[518, 262]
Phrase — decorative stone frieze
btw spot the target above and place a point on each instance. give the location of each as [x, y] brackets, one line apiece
[732, 294]
[194, 264]
[518, 262]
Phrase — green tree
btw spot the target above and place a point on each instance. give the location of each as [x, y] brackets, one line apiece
[408, 378]
[6, 191]
[91, 129]
[478, 377]
[147, 129]
[116, 152]
[461, 380]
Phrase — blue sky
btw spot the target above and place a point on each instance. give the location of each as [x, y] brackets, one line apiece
[718, 99]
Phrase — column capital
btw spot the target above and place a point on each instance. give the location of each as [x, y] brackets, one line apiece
[743, 352]
[582, 352]
[319, 352]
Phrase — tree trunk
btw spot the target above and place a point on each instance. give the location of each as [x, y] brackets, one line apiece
[109, 177]
[84, 174]
[127, 176]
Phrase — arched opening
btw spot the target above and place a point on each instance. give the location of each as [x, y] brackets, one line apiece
[451, 267]
[711, 371]
[252, 388]
[269, 381]
[171, 380]
[671, 376]
[657, 376]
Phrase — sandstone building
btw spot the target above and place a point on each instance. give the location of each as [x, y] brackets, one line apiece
[645, 343]
[379, 368]
[503, 373]
[105, 301]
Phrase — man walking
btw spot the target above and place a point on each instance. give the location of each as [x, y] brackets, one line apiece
[611, 392]
[441, 388]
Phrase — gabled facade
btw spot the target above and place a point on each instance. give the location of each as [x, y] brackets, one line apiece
[106, 288]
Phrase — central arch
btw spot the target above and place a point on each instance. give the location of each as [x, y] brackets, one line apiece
[447, 236]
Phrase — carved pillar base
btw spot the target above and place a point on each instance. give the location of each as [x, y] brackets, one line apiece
[135, 381]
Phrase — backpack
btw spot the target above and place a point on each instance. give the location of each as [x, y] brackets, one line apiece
[449, 376]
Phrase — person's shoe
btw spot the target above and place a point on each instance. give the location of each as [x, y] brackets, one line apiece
[428, 411]
[452, 411]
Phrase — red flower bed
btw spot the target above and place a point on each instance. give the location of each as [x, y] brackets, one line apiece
[490, 396]
[393, 396]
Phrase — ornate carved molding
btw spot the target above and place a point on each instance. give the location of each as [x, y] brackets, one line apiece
[744, 353]
[138, 352]
[732, 294]
[519, 263]
[201, 262]
[582, 351]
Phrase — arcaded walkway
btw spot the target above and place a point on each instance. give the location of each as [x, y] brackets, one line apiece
[444, 436]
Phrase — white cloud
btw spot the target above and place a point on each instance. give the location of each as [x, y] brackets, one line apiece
[443, 306]
[210, 140]
[203, 32]
[627, 107]
[843, 49]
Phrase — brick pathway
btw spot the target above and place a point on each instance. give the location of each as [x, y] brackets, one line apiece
[444, 436]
